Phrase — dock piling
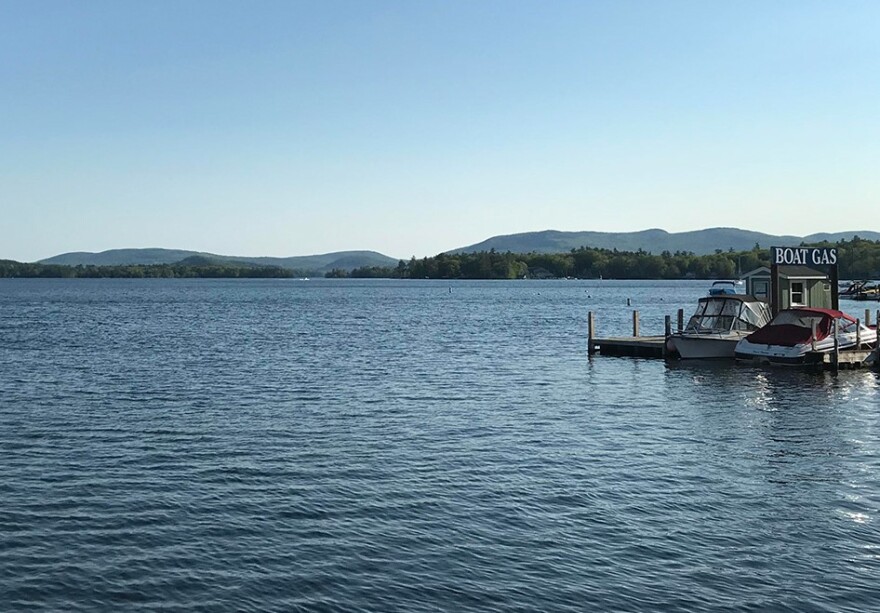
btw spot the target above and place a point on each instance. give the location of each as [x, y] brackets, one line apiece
[667, 328]
[813, 334]
[591, 333]
[680, 320]
[636, 324]
[836, 363]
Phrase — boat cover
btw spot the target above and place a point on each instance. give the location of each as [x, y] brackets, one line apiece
[729, 312]
[723, 288]
[795, 327]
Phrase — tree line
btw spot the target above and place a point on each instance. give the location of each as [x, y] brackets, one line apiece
[857, 259]
[13, 269]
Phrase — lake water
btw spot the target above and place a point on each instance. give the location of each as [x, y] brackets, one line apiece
[340, 445]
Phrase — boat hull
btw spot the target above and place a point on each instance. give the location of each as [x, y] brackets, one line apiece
[795, 355]
[704, 346]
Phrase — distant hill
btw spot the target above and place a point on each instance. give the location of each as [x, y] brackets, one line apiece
[313, 264]
[655, 241]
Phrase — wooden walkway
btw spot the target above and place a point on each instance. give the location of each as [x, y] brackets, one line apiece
[633, 346]
[849, 359]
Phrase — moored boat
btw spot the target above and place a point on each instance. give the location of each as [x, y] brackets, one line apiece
[867, 293]
[723, 288]
[860, 290]
[794, 334]
[718, 324]
[852, 289]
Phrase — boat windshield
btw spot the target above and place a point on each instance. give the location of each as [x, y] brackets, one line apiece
[724, 314]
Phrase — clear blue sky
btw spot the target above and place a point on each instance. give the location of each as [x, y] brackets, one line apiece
[413, 127]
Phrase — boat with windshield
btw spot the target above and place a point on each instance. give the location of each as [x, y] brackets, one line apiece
[719, 323]
[722, 288]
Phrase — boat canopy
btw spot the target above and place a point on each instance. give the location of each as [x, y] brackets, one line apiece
[795, 327]
[728, 312]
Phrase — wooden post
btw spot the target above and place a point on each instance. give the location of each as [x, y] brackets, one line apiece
[680, 320]
[836, 345]
[876, 342]
[667, 333]
[858, 333]
[813, 336]
[835, 288]
[774, 284]
[591, 333]
[635, 323]
[867, 317]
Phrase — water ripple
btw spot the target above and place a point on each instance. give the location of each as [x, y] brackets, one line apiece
[375, 446]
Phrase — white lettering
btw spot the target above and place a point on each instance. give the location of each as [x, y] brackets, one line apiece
[804, 256]
[795, 256]
[778, 256]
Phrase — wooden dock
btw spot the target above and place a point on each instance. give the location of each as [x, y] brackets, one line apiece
[847, 359]
[633, 346]
[656, 347]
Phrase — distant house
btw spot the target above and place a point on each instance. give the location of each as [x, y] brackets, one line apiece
[798, 286]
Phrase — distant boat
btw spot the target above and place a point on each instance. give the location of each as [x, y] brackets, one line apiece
[722, 288]
[867, 293]
[852, 289]
[719, 323]
[794, 333]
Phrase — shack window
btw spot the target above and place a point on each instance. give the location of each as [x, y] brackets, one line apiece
[761, 289]
[797, 293]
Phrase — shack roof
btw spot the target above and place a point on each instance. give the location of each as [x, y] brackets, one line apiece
[789, 272]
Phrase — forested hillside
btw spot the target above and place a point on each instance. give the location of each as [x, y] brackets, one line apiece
[858, 259]
[700, 242]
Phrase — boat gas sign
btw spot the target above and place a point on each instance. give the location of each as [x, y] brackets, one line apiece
[805, 256]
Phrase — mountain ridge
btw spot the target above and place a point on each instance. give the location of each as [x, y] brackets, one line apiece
[654, 240]
[321, 263]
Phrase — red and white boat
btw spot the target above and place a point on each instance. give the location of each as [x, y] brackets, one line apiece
[796, 333]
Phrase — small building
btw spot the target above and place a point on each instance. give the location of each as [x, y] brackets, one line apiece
[798, 286]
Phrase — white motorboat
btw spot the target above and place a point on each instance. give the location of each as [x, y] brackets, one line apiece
[794, 334]
[719, 323]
